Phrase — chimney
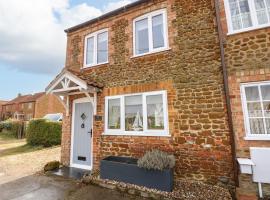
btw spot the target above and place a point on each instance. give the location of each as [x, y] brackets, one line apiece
[19, 94]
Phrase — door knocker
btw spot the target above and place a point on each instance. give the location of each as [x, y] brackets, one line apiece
[83, 117]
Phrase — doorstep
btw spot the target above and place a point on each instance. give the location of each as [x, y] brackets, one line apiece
[70, 172]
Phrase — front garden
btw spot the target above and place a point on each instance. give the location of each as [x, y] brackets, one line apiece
[20, 137]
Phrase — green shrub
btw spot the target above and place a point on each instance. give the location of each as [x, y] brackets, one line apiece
[51, 166]
[12, 127]
[156, 160]
[43, 132]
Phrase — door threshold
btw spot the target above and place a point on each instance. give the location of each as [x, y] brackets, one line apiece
[71, 172]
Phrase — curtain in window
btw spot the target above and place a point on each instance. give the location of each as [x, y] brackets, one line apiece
[158, 31]
[114, 114]
[262, 10]
[142, 37]
[240, 14]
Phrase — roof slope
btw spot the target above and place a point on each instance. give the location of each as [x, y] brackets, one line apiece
[25, 98]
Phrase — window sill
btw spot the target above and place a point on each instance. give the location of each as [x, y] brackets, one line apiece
[257, 138]
[149, 53]
[137, 134]
[247, 29]
[96, 65]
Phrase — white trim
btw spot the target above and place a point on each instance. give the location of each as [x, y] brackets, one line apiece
[81, 100]
[146, 131]
[69, 77]
[254, 19]
[149, 17]
[257, 138]
[249, 135]
[95, 59]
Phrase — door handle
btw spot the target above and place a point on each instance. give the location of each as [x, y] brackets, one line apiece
[91, 132]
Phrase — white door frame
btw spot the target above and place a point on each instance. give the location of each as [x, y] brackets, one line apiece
[81, 100]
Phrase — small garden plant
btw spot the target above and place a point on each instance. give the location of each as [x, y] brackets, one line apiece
[53, 165]
[156, 160]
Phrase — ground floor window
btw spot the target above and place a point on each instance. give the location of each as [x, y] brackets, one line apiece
[137, 114]
[256, 105]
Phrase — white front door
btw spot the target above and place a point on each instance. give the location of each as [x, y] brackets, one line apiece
[81, 146]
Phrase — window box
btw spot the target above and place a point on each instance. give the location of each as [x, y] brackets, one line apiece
[141, 114]
[125, 169]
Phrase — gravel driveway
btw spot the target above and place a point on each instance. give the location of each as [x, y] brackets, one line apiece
[20, 165]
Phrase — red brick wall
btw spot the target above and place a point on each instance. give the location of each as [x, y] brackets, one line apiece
[48, 104]
[248, 60]
[190, 72]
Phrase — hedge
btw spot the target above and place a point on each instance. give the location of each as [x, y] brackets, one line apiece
[44, 133]
[12, 127]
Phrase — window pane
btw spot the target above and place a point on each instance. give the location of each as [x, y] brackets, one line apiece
[252, 93]
[267, 121]
[254, 109]
[102, 47]
[265, 89]
[240, 14]
[257, 126]
[158, 31]
[266, 107]
[155, 113]
[114, 114]
[141, 36]
[261, 11]
[90, 51]
[133, 113]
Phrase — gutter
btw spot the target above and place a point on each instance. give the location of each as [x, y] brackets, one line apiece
[226, 90]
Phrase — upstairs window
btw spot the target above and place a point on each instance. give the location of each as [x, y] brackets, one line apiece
[247, 14]
[256, 104]
[150, 33]
[96, 48]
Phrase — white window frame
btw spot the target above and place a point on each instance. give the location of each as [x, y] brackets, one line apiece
[249, 135]
[149, 16]
[254, 19]
[95, 36]
[146, 131]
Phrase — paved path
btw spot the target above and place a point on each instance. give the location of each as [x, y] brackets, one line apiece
[36, 187]
[39, 187]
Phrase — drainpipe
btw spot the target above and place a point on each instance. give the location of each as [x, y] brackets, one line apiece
[226, 90]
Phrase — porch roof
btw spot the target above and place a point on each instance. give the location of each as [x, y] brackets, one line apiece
[71, 81]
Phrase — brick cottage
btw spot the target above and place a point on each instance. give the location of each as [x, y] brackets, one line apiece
[147, 76]
[246, 39]
[26, 107]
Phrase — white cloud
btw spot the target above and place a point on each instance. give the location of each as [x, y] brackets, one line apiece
[32, 37]
[114, 5]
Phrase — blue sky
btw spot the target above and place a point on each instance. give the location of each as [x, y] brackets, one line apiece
[32, 51]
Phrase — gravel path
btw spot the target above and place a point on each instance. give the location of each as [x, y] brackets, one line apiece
[21, 165]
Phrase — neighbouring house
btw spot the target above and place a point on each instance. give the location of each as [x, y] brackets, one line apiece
[147, 76]
[246, 39]
[26, 107]
[1, 103]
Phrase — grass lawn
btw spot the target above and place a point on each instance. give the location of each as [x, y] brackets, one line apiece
[11, 146]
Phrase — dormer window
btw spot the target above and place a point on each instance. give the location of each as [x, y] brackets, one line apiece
[96, 48]
[150, 33]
